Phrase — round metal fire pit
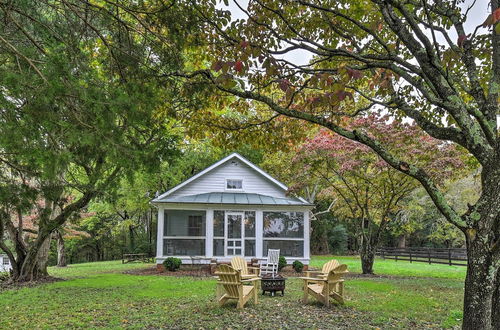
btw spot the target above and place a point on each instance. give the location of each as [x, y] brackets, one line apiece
[273, 284]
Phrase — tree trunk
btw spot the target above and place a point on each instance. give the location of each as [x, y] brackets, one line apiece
[43, 257]
[402, 241]
[367, 253]
[479, 287]
[29, 269]
[481, 297]
[61, 250]
[131, 239]
[496, 303]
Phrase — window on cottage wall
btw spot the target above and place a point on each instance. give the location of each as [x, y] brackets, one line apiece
[179, 224]
[288, 248]
[218, 223]
[184, 223]
[218, 248]
[183, 247]
[284, 224]
[195, 225]
[218, 233]
[6, 261]
[249, 248]
[249, 224]
[234, 184]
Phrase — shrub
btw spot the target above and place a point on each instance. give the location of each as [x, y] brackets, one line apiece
[4, 276]
[172, 264]
[337, 238]
[297, 266]
[281, 263]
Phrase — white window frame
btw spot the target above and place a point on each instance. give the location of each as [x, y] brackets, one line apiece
[234, 189]
[303, 238]
[204, 238]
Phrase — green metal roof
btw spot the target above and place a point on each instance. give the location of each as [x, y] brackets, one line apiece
[233, 198]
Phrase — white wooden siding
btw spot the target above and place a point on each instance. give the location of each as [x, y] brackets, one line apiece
[215, 181]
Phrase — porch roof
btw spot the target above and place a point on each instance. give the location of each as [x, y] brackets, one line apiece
[233, 198]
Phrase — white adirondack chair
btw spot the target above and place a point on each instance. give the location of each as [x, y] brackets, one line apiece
[270, 266]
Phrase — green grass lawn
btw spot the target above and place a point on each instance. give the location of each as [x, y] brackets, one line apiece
[100, 295]
[397, 268]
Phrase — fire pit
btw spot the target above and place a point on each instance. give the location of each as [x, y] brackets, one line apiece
[273, 284]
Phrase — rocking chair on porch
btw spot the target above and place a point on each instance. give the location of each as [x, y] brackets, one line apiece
[270, 266]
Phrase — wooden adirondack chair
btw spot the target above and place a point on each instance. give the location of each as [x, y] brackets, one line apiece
[270, 266]
[329, 266]
[231, 282]
[240, 264]
[324, 288]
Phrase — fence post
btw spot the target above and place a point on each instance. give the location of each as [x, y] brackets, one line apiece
[429, 255]
[410, 257]
[449, 256]
[383, 253]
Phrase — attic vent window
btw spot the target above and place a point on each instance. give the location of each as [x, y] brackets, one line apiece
[234, 163]
[234, 184]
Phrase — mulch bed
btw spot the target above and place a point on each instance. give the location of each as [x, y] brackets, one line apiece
[188, 271]
[179, 273]
[286, 272]
[9, 285]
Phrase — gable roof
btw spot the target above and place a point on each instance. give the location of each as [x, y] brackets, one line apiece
[162, 197]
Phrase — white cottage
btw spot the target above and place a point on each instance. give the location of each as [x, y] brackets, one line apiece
[5, 265]
[232, 208]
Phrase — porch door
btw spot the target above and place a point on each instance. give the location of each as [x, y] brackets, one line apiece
[234, 234]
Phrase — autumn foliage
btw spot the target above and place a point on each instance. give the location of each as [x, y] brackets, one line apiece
[365, 189]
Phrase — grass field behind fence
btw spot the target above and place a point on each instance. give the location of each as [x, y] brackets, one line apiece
[100, 295]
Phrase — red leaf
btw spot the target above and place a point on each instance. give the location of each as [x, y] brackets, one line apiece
[243, 44]
[353, 73]
[341, 95]
[496, 15]
[461, 40]
[284, 84]
[216, 66]
[238, 66]
[492, 18]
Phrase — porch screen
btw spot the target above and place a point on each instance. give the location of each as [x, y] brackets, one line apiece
[284, 231]
[288, 248]
[184, 223]
[249, 224]
[218, 233]
[284, 224]
[184, 233]
[183, 247]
